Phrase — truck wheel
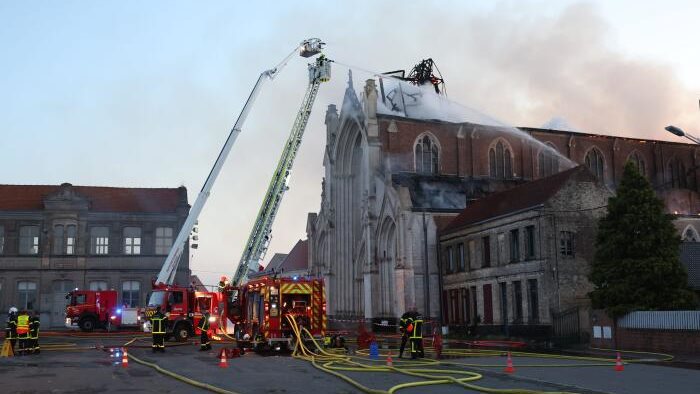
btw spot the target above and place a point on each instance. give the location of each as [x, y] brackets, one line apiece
[87, 324]
[181, 332]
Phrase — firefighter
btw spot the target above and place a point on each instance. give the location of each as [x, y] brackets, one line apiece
[403, 327]
[34, 333]
[22, 332]
[204, 328]
[416, 335]
[11, 327]
[222, 284]
[158, 331]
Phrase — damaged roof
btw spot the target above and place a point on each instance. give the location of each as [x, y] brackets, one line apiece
[525, 196]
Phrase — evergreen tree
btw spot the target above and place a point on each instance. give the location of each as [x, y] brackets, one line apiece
[636, 264]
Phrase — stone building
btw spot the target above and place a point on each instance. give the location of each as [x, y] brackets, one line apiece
[57, 238]
[394, 176]
[513, 259]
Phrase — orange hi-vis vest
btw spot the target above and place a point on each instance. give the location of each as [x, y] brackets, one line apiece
[22, 325]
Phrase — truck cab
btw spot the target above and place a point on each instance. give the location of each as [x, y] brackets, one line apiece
[183, 308]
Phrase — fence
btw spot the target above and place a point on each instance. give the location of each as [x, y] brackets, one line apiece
[661, 320]
[566, 326]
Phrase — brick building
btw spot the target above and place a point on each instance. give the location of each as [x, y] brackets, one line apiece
[394, 176]
[56, 238]
[513, 259]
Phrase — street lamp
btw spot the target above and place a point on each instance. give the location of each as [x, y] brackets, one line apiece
[677, 131]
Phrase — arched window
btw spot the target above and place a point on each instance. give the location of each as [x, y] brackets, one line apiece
[638, 162]
[676, 174]
[547, 161]
[427, 156]
[594, 162]
[690, 235]
[500, 161]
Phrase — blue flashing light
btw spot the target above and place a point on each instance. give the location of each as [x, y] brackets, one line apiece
[119, 311]
[295, 277]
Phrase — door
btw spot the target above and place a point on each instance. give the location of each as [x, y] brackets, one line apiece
[58, 301]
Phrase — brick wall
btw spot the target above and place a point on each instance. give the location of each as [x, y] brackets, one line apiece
[672, 341]
[669, 341]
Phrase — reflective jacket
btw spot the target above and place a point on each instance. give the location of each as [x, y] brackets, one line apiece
[158, 323]
[23, 326]
[204, 323]
[34, 327]
[417, 331]
[11, 327]
[403, 323]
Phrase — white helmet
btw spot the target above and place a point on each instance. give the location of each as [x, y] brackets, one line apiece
[13, 310]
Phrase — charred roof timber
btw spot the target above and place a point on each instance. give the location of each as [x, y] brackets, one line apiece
[421, 74]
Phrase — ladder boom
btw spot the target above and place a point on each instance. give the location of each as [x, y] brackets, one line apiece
[260, 235]
[167, 273]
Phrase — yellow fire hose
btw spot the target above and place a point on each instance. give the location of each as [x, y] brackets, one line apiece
[334, 363]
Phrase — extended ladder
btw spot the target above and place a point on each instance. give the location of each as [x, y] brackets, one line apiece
[260, 235]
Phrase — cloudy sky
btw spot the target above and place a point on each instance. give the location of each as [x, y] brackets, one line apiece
[143, 94]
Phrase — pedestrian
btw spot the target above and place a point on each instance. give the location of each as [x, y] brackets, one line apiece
[158, 331]
[34, 324]
[403, 327]
[22, 332]
[11, 327]
[204, 336]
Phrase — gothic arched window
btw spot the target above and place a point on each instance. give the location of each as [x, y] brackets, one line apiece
[427, 156]
[595, 163]
[676, 174]
[500, 161]
[638, 162]
[547, 161]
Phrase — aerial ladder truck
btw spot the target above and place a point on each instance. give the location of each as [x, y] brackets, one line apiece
[259, 307]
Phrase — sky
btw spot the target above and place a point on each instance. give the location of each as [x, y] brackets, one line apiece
[143, 94]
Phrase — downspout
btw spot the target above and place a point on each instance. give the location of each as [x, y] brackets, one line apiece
[426, 276]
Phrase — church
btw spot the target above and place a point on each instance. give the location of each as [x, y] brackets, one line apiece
[401, 163]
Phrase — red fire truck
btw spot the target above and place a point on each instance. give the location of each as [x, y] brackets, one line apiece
[266, 301]
[184, 307]
[258, 308]
[90, 309]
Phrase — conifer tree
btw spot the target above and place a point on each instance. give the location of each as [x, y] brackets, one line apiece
[636, 264]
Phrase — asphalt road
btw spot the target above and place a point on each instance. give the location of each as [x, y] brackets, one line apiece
[87, 368]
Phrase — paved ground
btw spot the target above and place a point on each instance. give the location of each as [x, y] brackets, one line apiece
[91, 370]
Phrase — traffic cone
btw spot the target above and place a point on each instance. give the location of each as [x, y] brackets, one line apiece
[125, 358]
[223, 363]
[619, 367]
[509, 365]
[389, 361]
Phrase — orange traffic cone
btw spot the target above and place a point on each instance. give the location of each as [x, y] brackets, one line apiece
[389, 361]
[223, 363]
[125, 358]
[618, 363]
[509, 365]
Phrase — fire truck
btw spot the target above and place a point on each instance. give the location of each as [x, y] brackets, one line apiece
[266, 302]
[258, 306]
[184, 308]
[90, 309]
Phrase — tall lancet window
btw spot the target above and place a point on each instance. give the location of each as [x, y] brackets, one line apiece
[427, 156]
[500, 161]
